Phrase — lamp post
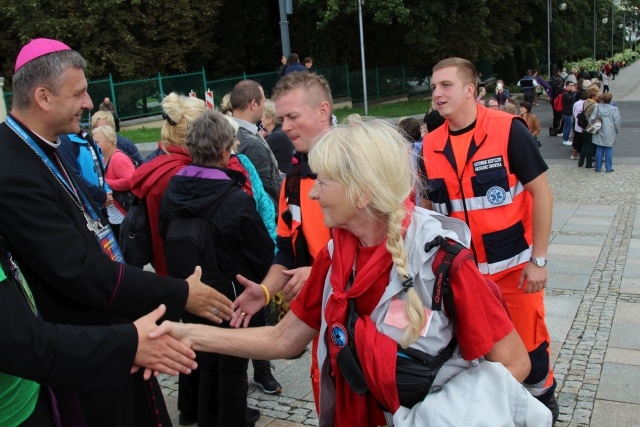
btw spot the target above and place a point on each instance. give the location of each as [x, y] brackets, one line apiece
[364, 70]
[561, 6]
[596, 12]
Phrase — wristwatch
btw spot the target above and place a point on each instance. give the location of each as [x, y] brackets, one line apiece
[540, 262]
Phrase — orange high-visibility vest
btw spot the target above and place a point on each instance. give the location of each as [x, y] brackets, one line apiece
[488, 197]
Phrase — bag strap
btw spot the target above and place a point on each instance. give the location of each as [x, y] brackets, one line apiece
[442, 290]
[454, 254]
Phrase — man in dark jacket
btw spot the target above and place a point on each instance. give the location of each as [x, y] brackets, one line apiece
[567, 112]
[38, 354]
[294, 65]
[56, 235]
[247, 102]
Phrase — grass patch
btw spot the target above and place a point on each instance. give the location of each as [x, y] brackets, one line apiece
[142, 135]
[400, 109]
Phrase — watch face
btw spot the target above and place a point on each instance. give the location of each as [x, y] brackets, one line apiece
[540, 262]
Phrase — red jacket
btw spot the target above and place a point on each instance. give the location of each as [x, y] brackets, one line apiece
[150, 181]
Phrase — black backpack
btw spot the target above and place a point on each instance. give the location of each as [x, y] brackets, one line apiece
[583, 122]
[135, 235]
[186, 233]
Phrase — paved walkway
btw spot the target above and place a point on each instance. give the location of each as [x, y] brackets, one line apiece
[592, 300]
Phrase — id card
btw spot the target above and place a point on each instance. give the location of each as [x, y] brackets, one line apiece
[395, 316]
[109, 245]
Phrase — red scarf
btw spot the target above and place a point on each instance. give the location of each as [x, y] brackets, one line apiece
[350, 408]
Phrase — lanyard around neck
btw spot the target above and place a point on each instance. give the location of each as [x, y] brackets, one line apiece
[67, 183]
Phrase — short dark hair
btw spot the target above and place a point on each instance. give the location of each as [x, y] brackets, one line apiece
[307, 60]
[410, 129]
[293, 58]
[526, 105]
[244, 92]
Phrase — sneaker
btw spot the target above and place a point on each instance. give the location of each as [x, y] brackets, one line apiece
[566, 142]
[264, 379]
[574, 157]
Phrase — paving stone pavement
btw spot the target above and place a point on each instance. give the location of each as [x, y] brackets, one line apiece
[593, 301]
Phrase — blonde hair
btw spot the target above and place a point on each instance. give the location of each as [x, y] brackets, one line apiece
[181, 110]
[372, 160]
[108, 132]
[103, 115]
[352, 118]
[225, 105]
[270, 111]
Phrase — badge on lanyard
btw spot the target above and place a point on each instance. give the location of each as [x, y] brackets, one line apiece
[108, 242]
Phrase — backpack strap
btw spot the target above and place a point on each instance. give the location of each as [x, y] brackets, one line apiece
[453, 256]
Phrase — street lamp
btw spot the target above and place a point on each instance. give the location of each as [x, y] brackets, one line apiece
[596, 12]
[561, 6]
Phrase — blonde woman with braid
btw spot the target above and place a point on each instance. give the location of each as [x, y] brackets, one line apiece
[369, 295]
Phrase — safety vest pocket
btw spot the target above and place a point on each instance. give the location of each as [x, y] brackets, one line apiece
[506, 246]
[491, 189]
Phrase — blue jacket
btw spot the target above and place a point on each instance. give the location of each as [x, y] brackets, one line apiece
[75, 151]
[129, 148]
[264, 204]
[295, 67]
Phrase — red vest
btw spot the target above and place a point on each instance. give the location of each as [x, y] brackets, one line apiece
[490, 199]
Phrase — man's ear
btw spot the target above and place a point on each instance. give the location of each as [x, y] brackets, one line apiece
[324, 111]
[42, 97]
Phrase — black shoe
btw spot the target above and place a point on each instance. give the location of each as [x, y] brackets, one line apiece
[184, 419]
[253, 415]
[552, 404]
[265, 380]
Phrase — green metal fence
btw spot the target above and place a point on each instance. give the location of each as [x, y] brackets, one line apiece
[142, 98]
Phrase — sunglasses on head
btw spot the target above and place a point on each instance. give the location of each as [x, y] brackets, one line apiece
[166, 117]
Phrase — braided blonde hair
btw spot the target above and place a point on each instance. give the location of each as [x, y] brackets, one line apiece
[372, 160]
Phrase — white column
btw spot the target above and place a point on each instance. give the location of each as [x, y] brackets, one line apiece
[3, 107]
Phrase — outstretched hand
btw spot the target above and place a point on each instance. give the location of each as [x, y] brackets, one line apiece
[247, 304]
[297, 278]
[164, 354]
[206, 302]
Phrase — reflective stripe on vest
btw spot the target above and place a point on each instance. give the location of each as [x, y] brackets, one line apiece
[484, 202]
[296, 214]
[497, 267]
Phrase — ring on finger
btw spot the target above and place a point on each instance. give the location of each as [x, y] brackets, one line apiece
[243, 314]
[215, 311]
